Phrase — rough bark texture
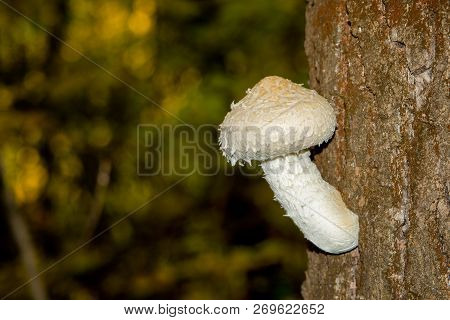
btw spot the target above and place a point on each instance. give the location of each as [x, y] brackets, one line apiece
[384, 66]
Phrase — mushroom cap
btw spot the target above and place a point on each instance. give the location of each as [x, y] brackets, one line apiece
[277, 117]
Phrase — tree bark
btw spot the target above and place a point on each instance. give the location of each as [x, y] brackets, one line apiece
[384, 66]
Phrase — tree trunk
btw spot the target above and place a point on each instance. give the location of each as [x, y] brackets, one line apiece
[383, 64]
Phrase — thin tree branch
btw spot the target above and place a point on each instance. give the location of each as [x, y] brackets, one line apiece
[22, 237]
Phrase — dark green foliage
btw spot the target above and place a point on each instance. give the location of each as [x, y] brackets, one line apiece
[66, 125]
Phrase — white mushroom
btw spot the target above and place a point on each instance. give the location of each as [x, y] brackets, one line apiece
[275, 123]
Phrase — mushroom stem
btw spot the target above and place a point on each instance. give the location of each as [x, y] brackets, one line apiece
[315, 206]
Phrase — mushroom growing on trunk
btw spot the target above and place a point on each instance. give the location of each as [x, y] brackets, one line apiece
[276, 123]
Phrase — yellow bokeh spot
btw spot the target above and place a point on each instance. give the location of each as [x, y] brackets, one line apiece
[6, 98]
[135, 57]
[164, 276]
[100, 135]
[112, 18]
[78, 35]
[30, 176]
[139, 23]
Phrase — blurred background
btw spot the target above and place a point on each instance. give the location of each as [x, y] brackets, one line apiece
[69, 160]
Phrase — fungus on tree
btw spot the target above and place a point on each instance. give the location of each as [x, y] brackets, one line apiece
[276, 123]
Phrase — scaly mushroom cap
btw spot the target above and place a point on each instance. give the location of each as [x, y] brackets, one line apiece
[277, 117]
